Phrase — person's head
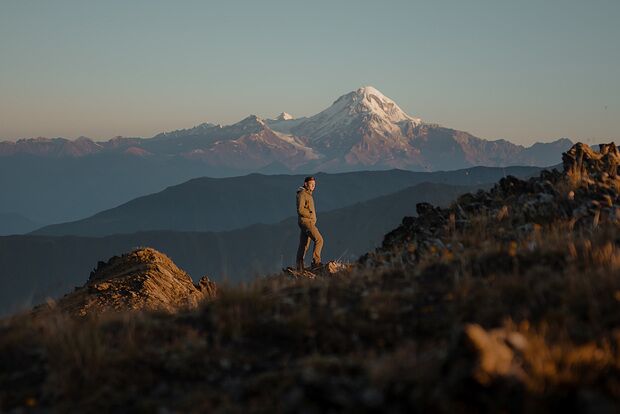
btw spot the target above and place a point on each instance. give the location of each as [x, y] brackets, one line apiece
[309, 183]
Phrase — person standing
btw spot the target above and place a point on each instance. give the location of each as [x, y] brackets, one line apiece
[306, 218]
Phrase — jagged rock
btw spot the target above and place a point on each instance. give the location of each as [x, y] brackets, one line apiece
[584, 163]
[140, 280]
[587, 193]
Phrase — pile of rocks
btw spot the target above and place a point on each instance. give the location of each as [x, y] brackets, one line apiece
[585, 194]
[143, 279]
[592, 167]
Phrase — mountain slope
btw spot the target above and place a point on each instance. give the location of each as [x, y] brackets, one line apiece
[13, 223]
[208, 204]
[248, 145]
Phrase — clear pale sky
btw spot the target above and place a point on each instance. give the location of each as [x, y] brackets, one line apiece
[520, 70]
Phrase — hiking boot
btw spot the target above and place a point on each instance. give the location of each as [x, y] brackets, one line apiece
[316, 265]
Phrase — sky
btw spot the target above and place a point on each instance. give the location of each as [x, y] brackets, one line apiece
[525, 70]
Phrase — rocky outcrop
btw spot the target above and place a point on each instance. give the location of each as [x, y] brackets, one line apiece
[144, 279]
[583, 163]
[586, 194]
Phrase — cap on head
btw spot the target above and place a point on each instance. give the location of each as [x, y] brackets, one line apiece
[309, 178]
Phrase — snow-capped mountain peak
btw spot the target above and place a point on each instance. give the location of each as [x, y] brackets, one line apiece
[284, 116]
[250, 120]
[368, 99]
[352, 110]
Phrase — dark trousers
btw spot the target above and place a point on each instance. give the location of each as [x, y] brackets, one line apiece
[309, 232]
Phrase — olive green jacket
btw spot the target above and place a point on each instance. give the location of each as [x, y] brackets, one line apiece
[306, 214]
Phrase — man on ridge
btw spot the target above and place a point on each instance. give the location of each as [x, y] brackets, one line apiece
[306, 218]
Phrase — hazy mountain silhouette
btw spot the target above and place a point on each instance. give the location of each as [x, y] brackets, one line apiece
[35, 267]
[211, 204]
[49, 190]
[14, 223]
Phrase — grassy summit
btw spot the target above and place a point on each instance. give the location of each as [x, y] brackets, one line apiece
[509, 300]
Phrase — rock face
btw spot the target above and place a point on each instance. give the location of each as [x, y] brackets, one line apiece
[144, 279]
[583, 163]
[586, 194]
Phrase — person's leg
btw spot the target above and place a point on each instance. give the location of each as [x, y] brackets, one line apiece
[304, 243]
[316, 237]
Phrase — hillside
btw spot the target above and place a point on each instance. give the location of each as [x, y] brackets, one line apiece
[238, 255]
[219, 204]
[13, 223]
[505, 301]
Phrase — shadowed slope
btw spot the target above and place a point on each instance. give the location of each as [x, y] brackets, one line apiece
[209, 204]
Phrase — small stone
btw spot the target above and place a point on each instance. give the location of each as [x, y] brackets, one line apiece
[103, 286]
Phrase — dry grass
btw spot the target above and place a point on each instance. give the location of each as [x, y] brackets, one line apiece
[391, 339]
[515, 311]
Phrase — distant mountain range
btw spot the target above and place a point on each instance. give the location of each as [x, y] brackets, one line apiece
[361, 130]
[35, 267]
[57, 180]
[219, 204]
